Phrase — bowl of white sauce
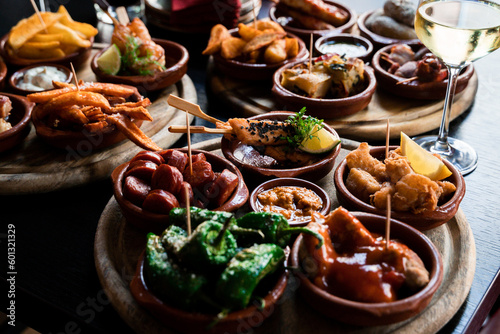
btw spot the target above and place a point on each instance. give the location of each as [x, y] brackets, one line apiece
[39, 78]
[351, 46]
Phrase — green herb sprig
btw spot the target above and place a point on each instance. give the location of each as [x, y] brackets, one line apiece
[303, 127]
[132, 62]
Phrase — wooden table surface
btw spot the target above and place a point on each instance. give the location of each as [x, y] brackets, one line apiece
[57, 289]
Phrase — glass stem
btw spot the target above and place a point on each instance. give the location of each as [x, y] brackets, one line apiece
[441, 146]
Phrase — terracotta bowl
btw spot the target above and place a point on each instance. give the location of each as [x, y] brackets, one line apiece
[19, 119]
[375, 314]
[3, 74]
[260, 71]
[147, 220]
[324, 108]
[18, 76]
[176, 61]
[293, 182]
[255, 174]
[190, 322]
[76, 142]
[283, 19]
[422, 221]
[77, 58]
[414, 89]
[377, 40]
[346, 38]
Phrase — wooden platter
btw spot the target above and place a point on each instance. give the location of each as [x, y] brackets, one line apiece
[36, 167]
[118, 246]
[413, 117]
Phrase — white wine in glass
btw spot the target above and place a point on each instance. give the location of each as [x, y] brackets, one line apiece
[458, 32]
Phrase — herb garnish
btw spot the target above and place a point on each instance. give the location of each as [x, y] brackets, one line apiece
[132, 62]
[303, 127]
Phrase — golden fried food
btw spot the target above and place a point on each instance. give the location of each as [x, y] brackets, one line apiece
[129, 129]
[262, 40]
[29, 27]
[361, 158]
[217, 35]
[232, 47]
[362, 184]
[81, 98]
[95, 87]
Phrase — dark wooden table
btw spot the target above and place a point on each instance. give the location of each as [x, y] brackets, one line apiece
[57, 289]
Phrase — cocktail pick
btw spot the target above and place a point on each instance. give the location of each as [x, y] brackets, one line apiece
[188, 126]
[74, 75]
[188, 210]
[39, 15]
[198, 129]
[388, 222]
[387, 132]
[191, 108]
[122, 15]
[310, 52]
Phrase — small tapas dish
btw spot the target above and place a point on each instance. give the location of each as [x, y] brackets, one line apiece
[386, 303]
[38, 78]
[295, 199]
[215, 183]
[345, 44]
[176, 61]
[425, 217]
[340, 19]
[274, 161]
[331, 95]
[18, 119]
[3, 74]
[420, 76]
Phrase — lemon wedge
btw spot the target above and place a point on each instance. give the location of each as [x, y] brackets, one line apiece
[319, 141]
[422, 161]
[110, 60]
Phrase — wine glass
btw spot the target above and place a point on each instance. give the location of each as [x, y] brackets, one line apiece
[457, 32]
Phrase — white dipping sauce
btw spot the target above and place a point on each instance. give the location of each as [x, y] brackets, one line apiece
[40, 78]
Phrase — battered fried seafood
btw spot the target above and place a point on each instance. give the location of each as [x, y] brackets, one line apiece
[5, 108]
[94, 107]
[356, 265]
[372, 180]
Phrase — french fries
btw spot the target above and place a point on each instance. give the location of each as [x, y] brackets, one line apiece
[265, 41]
[60, 36]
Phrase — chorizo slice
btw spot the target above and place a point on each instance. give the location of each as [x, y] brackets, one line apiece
[182, 195]
[135, 190]
[178, 159]
[142, 169]
[202, 174]
[160, 201]
[222, 188]
[167, 178]
[148, 155]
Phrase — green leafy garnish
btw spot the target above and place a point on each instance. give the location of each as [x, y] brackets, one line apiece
[135, 64]
[303, 127]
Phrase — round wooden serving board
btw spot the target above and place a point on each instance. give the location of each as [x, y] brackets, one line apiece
[118, 246]
[36, 167]
[413, 117]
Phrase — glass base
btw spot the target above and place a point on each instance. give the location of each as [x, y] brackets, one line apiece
[460, 154]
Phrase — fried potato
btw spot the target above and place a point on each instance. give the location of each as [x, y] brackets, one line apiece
[232, 47]
[29, 27]
[41, 37]
[36, 53]
[275, 52]
[218, 34]
[268, 24]
[247, 32]
[254, 56]
[42, 45]
[86, 29]
[69, 36]
[261, 40]
[291, 47]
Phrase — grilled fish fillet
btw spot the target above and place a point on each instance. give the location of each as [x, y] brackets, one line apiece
[257, 133]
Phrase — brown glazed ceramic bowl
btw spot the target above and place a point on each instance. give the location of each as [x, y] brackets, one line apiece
[3, 74]
[240, 321]
[259, 71]
[176, 61]
[19, 119]
[375, 314]
[80, 141]
[324, 108]
[422, 221]
[18, 76]
[377, 40]
[291, 182]
[76, 58]
[151, 221]
[414, 89]
[283, 19]
[255, 174]
[346, 38]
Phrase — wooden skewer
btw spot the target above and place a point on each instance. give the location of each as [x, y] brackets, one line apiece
[387, 140]
[388, 222]
[189, 145]
[75, 77]
[198, 129]
[121, 13]
[406, 80]
[39, 16]
[191, 108]
[188, 210]
[310, 52]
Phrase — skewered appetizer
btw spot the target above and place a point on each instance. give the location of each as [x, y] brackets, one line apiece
[92, 108]
[265, 42]
[60, 37]
[331, 76]
[355, 264]
[5, 108]
[371, 180]
[313, 14]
